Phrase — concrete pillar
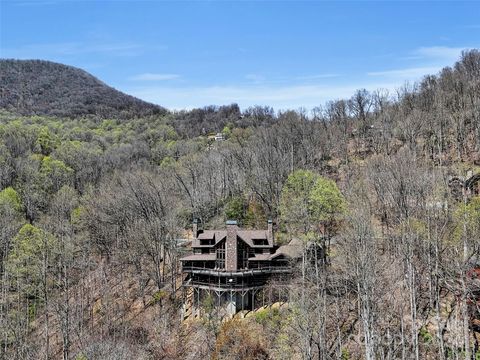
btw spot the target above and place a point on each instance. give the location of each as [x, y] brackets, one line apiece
[232, 304]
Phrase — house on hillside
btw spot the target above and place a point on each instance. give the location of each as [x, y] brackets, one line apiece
[456, 185]
[216, 136]
[232, 266]
[219, 137]
[469, 186]
[472, 185]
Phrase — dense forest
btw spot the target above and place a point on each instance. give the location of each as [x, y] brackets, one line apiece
[94, 195]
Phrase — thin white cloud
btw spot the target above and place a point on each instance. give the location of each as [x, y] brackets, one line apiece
[261, 79]
[443, 53]
[317, 77]
[46, 50]
[280, 97]
[300, 91]
[407, 73]
[154, 77]
[426, 60]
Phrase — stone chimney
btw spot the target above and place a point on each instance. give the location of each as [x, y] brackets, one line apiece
[270, 232]
[195, 228]
[231, 246]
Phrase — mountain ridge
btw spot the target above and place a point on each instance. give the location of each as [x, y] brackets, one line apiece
[41, 87]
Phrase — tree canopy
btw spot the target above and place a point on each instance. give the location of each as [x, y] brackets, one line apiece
[309, 200]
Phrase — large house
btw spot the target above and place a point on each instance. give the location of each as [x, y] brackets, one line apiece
[231, 266]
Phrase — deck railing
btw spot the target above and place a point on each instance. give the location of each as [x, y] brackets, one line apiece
[240, 272]
[225, 286]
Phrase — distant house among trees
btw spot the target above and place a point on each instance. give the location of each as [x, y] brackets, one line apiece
[216, 136]
[219, 137]
[232, 266]
[472, 185]
[468, 186]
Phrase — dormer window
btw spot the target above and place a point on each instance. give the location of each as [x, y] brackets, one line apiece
[207, 242]
[260, 242]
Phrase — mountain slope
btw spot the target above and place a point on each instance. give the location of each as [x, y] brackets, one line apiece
[39, 87]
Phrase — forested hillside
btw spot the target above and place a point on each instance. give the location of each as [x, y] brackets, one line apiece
[35, 87]
[90, 208]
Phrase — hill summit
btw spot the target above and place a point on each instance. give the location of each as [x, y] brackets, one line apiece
[37, 87]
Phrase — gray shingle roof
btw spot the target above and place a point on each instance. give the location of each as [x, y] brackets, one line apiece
[199, 257]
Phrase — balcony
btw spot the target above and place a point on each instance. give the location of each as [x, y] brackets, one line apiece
[239, 273]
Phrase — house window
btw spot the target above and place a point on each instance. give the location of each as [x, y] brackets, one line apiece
[242, 255]
[220, 260]
[259, 242]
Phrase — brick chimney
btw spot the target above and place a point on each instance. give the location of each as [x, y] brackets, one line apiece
[231, 246]
[270, 232]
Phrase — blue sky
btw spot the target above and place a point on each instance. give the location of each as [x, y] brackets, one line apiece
[283, 54]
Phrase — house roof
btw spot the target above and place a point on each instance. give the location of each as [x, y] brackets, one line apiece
[472, 180]
[217, 235]
[293, 249]
[260, 257]
[249, 235]
[212, 234]
[199, 257]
